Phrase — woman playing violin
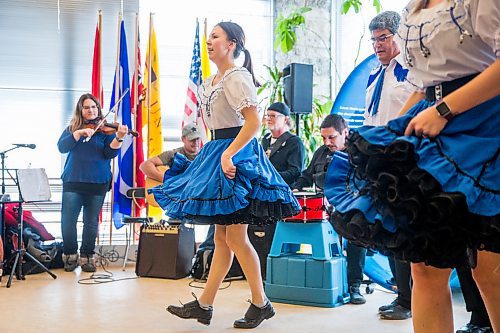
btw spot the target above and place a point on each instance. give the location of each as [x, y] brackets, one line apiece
[86, 179]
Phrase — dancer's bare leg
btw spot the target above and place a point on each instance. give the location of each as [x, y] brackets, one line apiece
[221, 262]
[237, 240]
[487, 277]
[431, 299]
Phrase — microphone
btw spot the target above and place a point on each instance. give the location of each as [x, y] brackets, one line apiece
[25, 145]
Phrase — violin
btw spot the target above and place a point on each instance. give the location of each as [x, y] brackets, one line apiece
[105, 127]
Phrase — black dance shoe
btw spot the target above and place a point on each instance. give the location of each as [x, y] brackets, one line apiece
[192, 310]
[398, 312]
[388, 306]
[471, 328]
[254, 316]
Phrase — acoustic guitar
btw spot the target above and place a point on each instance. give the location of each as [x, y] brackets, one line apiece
[150, 183]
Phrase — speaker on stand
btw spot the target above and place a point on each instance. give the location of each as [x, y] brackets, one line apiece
[297, 88]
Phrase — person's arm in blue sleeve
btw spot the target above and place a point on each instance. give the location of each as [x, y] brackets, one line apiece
[66, 142]
[110, 152]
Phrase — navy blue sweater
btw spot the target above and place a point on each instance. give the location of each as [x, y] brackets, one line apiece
[87, 162]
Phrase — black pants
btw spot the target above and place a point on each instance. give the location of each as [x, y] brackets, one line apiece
[473, 301]
[355, 264]
[402, 276]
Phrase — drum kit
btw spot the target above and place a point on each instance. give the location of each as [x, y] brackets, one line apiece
[314, 208]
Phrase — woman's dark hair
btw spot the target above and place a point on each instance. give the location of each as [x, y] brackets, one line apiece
[335, 121]
[235, 33]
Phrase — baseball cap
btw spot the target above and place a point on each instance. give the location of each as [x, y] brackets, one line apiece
[280, 107]
[190, 132]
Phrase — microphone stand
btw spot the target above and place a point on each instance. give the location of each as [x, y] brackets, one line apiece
[21, 251]
[2, 202]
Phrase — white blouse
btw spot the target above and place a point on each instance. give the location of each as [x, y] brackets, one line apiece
[454, 39]
[222, 102]
[396, 89]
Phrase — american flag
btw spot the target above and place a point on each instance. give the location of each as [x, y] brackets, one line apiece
[192, 112]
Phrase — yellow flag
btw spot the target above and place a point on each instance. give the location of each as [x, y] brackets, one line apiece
[205, 62]
[151, 111]
[205, 69]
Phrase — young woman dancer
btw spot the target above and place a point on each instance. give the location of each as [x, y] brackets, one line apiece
[231, 183]
[425, 187]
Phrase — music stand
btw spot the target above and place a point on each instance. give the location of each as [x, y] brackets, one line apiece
[33, 186]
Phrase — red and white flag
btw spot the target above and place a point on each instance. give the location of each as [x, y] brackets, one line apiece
[97, 63]
[136, 102]
[192, 111]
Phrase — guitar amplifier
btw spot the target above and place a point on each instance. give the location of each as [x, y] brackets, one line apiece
[165, 251]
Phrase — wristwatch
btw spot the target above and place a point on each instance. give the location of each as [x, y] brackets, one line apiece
[118, 139]
[443, 110]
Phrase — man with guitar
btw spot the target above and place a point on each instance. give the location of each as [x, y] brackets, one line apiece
[155, 167]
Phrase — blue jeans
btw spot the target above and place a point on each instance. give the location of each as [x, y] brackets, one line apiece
[72, 204]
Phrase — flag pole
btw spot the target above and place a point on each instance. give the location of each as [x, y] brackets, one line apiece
[148, 90]
[150, 71]
[134, 109]
[99, 98]
[205, 27]
[116, 95]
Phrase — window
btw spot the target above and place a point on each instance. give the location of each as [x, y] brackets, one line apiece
[46, 64]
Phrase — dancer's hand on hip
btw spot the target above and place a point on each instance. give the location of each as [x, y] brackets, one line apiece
[227, 166]
[427, 123]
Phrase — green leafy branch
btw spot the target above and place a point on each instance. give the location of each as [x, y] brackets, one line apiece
[356, 6]
[285, 29]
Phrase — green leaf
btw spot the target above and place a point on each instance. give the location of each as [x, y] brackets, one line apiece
[345, 7]
[356, 6]
[284, 33]
[377, 5]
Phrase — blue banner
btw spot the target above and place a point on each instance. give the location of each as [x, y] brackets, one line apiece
[350, 101]
[123, 174]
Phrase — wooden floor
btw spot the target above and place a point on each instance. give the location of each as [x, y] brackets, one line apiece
[41, 304]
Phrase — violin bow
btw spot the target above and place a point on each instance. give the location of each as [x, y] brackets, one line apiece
[100, 123]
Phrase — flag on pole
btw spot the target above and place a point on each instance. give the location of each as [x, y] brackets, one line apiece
[137, 98]
[205, 68]
[192, 112]
[205, 61]
[96, 89]
[151, 109]
[123, 173]
[96, 62]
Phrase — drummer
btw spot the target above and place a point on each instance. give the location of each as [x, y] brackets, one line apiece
[334, 131]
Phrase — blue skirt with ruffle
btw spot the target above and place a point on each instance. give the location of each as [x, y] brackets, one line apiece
[199, 192]
[419, 199]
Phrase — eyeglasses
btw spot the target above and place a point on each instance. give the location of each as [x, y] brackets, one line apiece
[380, 39]
[273, 116]
[93, 107]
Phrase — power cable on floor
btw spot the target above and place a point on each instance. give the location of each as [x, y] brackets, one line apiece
[103, 260]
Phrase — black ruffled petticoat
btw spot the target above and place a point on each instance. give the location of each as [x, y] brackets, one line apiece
[433, 226]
